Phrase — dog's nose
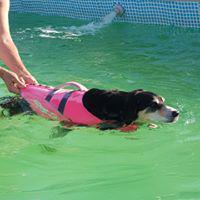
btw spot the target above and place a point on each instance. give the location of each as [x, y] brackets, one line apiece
[175, 114]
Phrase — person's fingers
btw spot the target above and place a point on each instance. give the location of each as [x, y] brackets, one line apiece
[22, 80]
[27, 77]
[12, 81]
[30, 80]
[14, 85]
[19, 83]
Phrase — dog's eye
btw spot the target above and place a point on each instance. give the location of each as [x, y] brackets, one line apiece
[154, 106]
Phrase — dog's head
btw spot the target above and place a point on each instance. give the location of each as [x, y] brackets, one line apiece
[125, 108]
[151, 107]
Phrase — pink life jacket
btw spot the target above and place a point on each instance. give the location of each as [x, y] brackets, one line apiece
[58, 103]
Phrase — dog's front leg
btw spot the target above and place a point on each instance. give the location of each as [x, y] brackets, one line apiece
[129, 128]
[109, 124]
[67, 124]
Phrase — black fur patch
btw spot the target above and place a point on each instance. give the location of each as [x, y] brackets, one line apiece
[118, 106]
[15, 105]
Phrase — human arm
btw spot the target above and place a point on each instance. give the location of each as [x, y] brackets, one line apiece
[8, 51]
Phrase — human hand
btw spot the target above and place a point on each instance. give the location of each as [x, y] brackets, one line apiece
[12, 81]
[27, 77]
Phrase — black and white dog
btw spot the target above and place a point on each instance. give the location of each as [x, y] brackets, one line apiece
[116, 108]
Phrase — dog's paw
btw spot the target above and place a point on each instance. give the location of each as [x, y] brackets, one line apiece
[152, 126]
[67, 124]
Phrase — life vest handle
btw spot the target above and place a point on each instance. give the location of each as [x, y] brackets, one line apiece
[75, 84]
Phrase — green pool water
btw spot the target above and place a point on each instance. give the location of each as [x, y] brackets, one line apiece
[41, 161]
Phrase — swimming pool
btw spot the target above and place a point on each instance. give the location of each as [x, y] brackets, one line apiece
[39, 160]
[182, 13]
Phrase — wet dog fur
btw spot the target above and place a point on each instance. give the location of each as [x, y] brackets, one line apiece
[116, 108]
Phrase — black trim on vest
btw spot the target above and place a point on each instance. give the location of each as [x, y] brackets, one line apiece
[50, 95]
[63, 102]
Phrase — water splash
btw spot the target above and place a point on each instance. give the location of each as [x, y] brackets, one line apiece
[93, 27]
[77, 31]
[189, 116]
[190, 119]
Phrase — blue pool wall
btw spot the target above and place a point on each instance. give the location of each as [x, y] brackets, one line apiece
[162, 12]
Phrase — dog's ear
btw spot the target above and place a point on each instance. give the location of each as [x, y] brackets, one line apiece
[161, 99]
[131, 112]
